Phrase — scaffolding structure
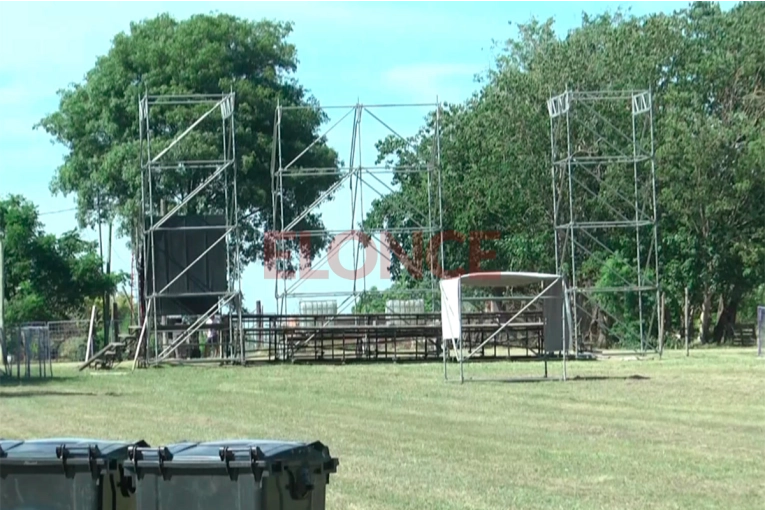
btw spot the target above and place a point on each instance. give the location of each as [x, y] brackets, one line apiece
[190, 220]
[605, 213]
[358, 231]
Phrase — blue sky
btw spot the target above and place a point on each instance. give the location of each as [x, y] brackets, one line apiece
[374, 52]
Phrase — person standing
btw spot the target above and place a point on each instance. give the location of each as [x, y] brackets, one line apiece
[212, 337]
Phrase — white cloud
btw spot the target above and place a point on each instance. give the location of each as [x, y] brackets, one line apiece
[90, 29]
[19, 95]
[13, 94]
[385, 19]
[451, 82]
[23, 103]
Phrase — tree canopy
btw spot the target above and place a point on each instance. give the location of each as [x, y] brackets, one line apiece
[704, 66]
[47, 277]
[97, 120]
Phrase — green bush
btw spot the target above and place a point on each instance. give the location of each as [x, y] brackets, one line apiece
[73, 349]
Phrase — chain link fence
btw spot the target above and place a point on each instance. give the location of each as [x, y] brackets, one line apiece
[69, 339]
[27, 351]
[66, 341]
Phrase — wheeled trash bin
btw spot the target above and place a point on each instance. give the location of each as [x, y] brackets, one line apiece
[65, 474]
[231, 475]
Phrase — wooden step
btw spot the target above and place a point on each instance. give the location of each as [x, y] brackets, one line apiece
[109, 350]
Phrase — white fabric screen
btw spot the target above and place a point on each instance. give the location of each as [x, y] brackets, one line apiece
[451, 316]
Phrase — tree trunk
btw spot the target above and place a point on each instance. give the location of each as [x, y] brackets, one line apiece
[598, 328]
[603, 337]
[107, 296]
[726, 318]
[706, 316]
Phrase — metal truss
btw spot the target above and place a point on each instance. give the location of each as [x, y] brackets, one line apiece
[357, 176]
[215, 176]
[605, 212]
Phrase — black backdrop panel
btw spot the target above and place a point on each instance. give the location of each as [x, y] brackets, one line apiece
[174, 250]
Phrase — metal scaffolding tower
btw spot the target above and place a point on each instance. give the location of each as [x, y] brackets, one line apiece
[358, 176]
[605, 212]
[191, 264]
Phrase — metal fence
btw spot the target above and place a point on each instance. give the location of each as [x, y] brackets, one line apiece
[69, 339]
[27, 352]
[65, 340]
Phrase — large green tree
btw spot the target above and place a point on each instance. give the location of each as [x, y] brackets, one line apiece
[702, 65]
[712, 153]
[47, 277]
[97, 121]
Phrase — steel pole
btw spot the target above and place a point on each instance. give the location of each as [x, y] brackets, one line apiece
[2, 300]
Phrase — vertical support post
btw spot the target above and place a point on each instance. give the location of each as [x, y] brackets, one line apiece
[558, 268]
[40, 354]
[687, 323]
[151, 243]
[237, 232]
[567, 329]
[440, 193]
[444, 355]
[760, 327]
[572, 223]
[89, 345]
[280, 160]
[637, 241]
[355, 187]
[661, 326]
[139, 344]
[2, 300]
[115, 322]
[50, 355]
[654, 199]
[140, 225]
[259, 323]
[240, 328]
[162, 319]
[27, 353]
[444, 343]
[107, 296]
[462, 357]
[274, 208]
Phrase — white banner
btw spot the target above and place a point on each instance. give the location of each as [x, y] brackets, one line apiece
[451, 309]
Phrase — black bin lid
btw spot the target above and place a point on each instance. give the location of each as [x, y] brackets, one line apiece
[74, 453]
[257, 456]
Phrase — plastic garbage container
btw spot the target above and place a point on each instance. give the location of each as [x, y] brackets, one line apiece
[64, 474]
[231, 475]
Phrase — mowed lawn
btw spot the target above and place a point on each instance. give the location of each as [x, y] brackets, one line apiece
[689, 434]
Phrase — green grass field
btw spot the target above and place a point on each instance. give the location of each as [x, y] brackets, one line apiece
[689, 434]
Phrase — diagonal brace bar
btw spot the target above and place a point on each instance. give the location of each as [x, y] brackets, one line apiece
[340, 310]
[200, 257]
[319, 200]
[316, 140]
[193, 329]
[518, 314]
[191, 195]
[188, 130]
